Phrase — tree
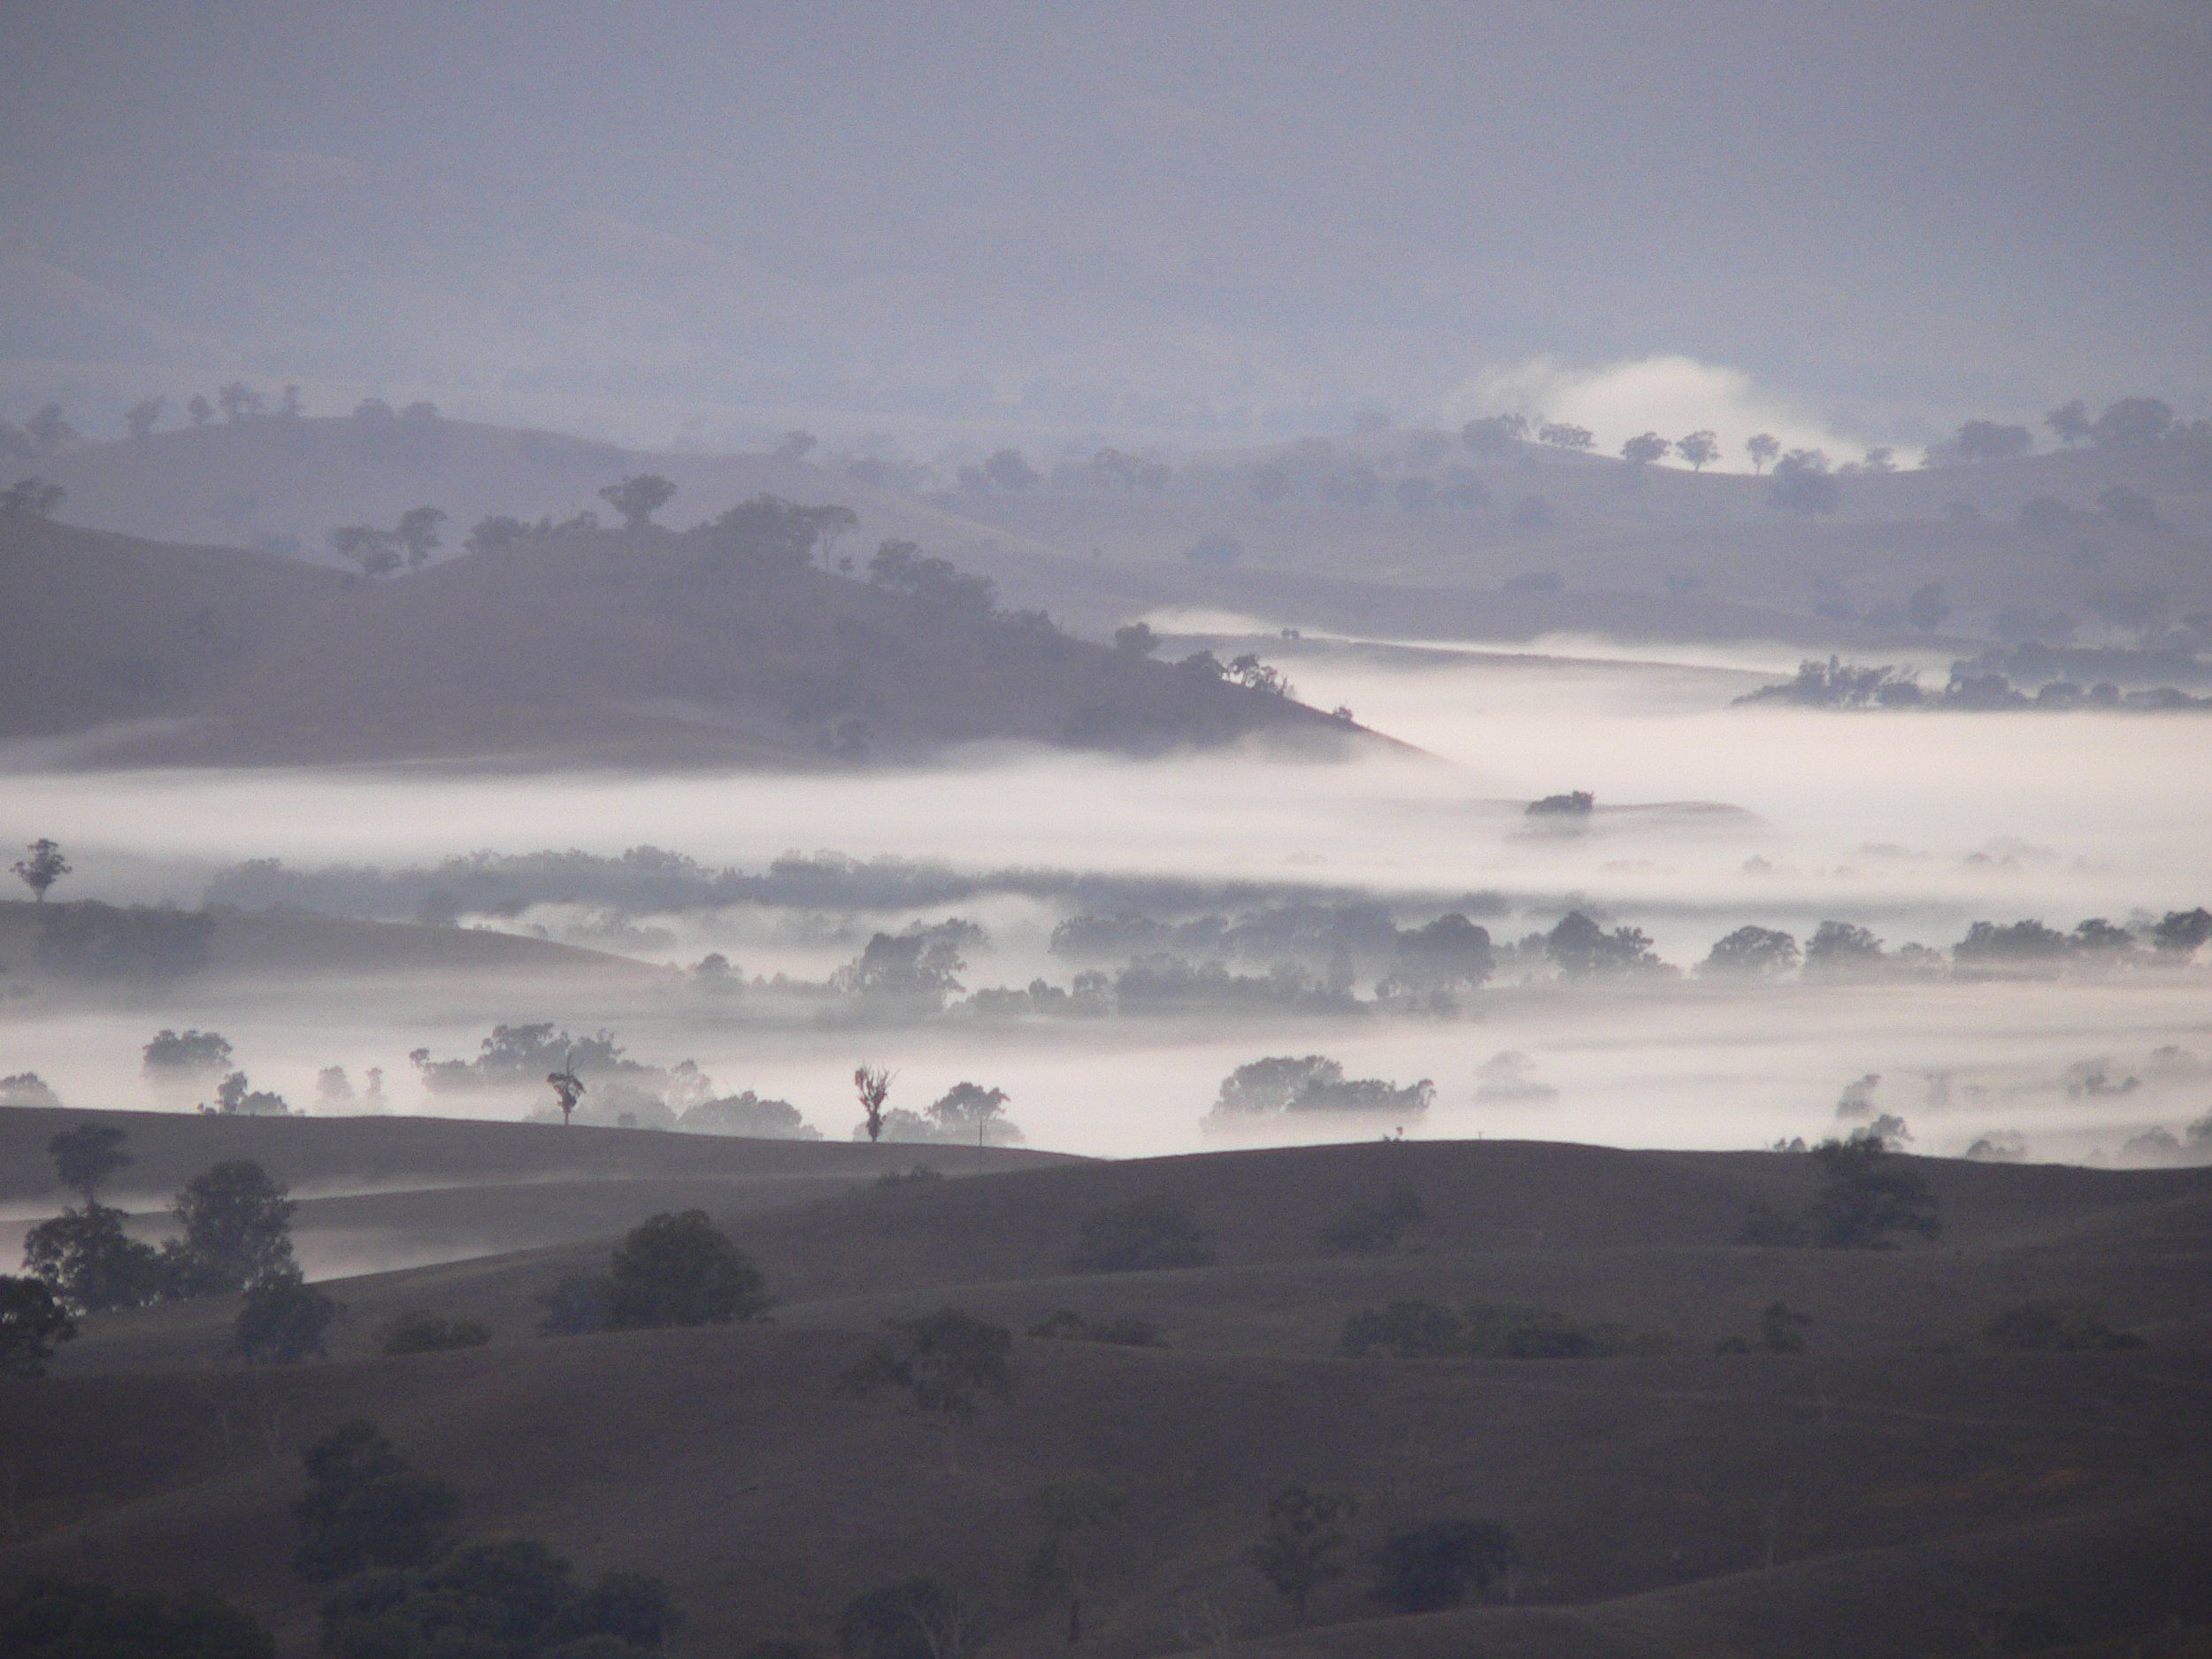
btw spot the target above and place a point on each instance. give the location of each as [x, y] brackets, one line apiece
[199, 410]
[1144, 1235]
[2180, 932]
[375, 551]
[874, 1085]
[679, 1269]
[1439, 1565]
[282, 1320]
[969, 1111]
[1377, 1227]
[1136, 639]
[771, 534]
[289, 403]
[239, 401]
[1495, 434]
[87, 1259]
[568, 1088]
[50, 429]
[1841, 947]
[1782, 1328]
[1701, 449]
[494, 532]
[1752, 952]
[365, 1508]
[1928, 607]
[1978, 441]
[1762, 447]
[47, 1617]
[1072, 1513]
[945, 1363]
[1803, 484]
[143, 416]
[1582, 950]
[1644, 449]
[2133, 423]
[88, 1154]
[1867, 1196]
[1009, 471]
[417, 535]
[2068, 423]
[31, 498]
[513, 1599]
[237, 1231]
[638, 497]
[32, 1321]
[1562, 436]
[41, 866]
[1302, 1548]
[795, 446]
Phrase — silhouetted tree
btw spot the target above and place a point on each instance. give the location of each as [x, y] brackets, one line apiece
[290, 405]
[793, 445]
[2180, 932]
[2068, 423]
[1136, 639]
[2133, 423]
[1009, 471]
[365, 1508]
[873, 1083]
[1495, 434]
[1868, 1195]
[1752, 952]
[143, 416]
[50, 429]
[87, 1259]
[282, 1320]
[48, 1618]
[1983, 441]
[679, 1269]
[41, 866]
[1430, 1568]
[1563, 436]
[32, 1322]
[496, 530]
[239, 401]
[1803, 484]
[568, 1088]
[375, 551]
[1304, 1547]
[417, 535]
[199, 410]
[88, 1154]
[31, 498]
[1701, 449]
[1928, 607]
[1644, 449]
[237, 1231]
[638, 497]
[1762, 447]
[945, 1363]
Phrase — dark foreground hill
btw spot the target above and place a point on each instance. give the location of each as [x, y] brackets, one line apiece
[1901, 1488]
[726, 645]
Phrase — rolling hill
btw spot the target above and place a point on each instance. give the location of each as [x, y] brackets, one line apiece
[717, 646]
[1901, 1488]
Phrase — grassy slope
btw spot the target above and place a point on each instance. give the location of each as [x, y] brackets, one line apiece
[1643, 1489]
[634, 649]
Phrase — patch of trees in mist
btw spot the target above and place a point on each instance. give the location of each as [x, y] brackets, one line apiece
[1974, 688]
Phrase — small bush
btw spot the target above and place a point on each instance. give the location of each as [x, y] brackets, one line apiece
[1437, 1566]
[418, 1331]
[1140, 1236]
[2056, 1327]
[1375, 1228]
[920, 1175]
[281, 1321]
[679, 1269]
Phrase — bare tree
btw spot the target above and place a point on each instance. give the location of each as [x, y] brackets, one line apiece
[874, 1083]
[41, 866]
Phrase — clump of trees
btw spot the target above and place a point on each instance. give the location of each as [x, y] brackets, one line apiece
[1144, 1235]
[50, 1618]
[1442, 1564]
[1868, 1197]
[1282, 1085]
[2052, 1326]
[381, 552]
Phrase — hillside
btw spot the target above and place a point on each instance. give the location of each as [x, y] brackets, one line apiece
[578, 645]
[1889, 1492]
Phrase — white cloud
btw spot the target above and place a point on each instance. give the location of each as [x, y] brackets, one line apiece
[1670, 396]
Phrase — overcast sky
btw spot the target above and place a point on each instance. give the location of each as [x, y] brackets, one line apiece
[1225, 219]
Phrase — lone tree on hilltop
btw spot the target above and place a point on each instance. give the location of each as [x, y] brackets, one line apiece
[41, 866]
[1762, 447]
[945, 1363]
[143, 416]
[568, 1088]
[1303, 1546]
[873, 1083]
[638, 497]
[1643, 449]
[86, 1156]
[375, 551]
[1701, 449]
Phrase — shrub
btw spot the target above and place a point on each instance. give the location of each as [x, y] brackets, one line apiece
[32, 1321]
[418, 1331]
[1437, 1566]
[1140, 1236]
[281, 1321]
[365, 1508]
[680, 1270]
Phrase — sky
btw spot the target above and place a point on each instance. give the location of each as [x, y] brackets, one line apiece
[1185, 222]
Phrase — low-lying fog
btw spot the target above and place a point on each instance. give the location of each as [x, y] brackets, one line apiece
[1708, 818]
